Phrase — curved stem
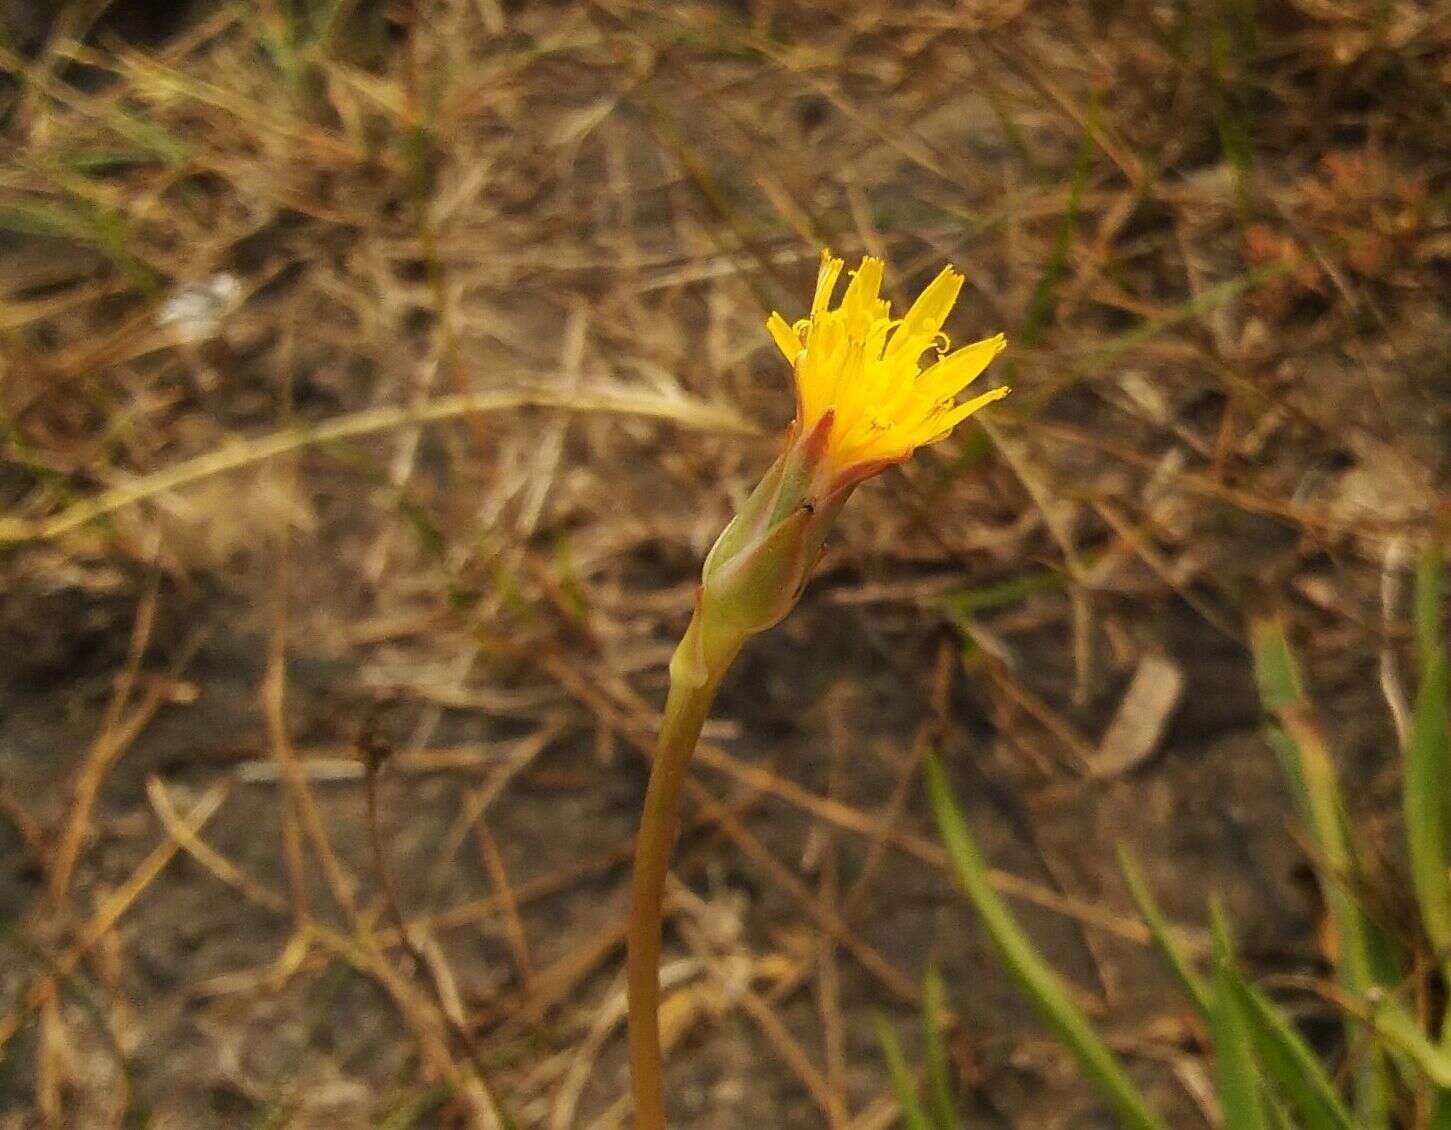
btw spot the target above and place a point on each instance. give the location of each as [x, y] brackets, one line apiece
[685, 713]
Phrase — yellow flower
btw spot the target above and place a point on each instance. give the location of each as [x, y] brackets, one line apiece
[865, 367]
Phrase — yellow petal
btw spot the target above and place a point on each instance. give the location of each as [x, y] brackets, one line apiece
[859, 304]
[954, 416]
[784, 336]
[928, 313]
[960, 368]
[825, 283]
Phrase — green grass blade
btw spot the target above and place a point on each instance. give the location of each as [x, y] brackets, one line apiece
[1034, 977]
[969, 602]
[939, 1091]
[1285, 1058]
[1428, 766]
[1161, 936]
[1276, 1114]
[1430, 595]
[1440, 1117]
[1045, 294]
[1229, 112]
[1239, 1087]
[913, 1116]
[151, 138]
[1100, 357]
[1402, 1032]
[413, 1112]
[1308, 767]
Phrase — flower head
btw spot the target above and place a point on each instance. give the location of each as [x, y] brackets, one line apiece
[864, 368]
[863, 402]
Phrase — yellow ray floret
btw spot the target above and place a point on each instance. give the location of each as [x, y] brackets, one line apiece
[867, 366]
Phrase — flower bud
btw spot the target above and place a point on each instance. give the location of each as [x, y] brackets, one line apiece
[759, 565]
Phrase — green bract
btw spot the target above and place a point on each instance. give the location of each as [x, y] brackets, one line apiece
[756, 571]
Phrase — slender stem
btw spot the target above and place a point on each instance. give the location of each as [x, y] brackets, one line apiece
[685, 713]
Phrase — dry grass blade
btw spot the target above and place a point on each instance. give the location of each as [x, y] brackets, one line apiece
[117, 732]
[110, 912]
[245, 453]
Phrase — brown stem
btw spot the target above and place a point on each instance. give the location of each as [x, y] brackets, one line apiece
[686, 708]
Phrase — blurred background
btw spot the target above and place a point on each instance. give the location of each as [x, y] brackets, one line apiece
[373, 378]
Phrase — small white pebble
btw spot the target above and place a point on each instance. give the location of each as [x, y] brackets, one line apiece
[195, 310]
